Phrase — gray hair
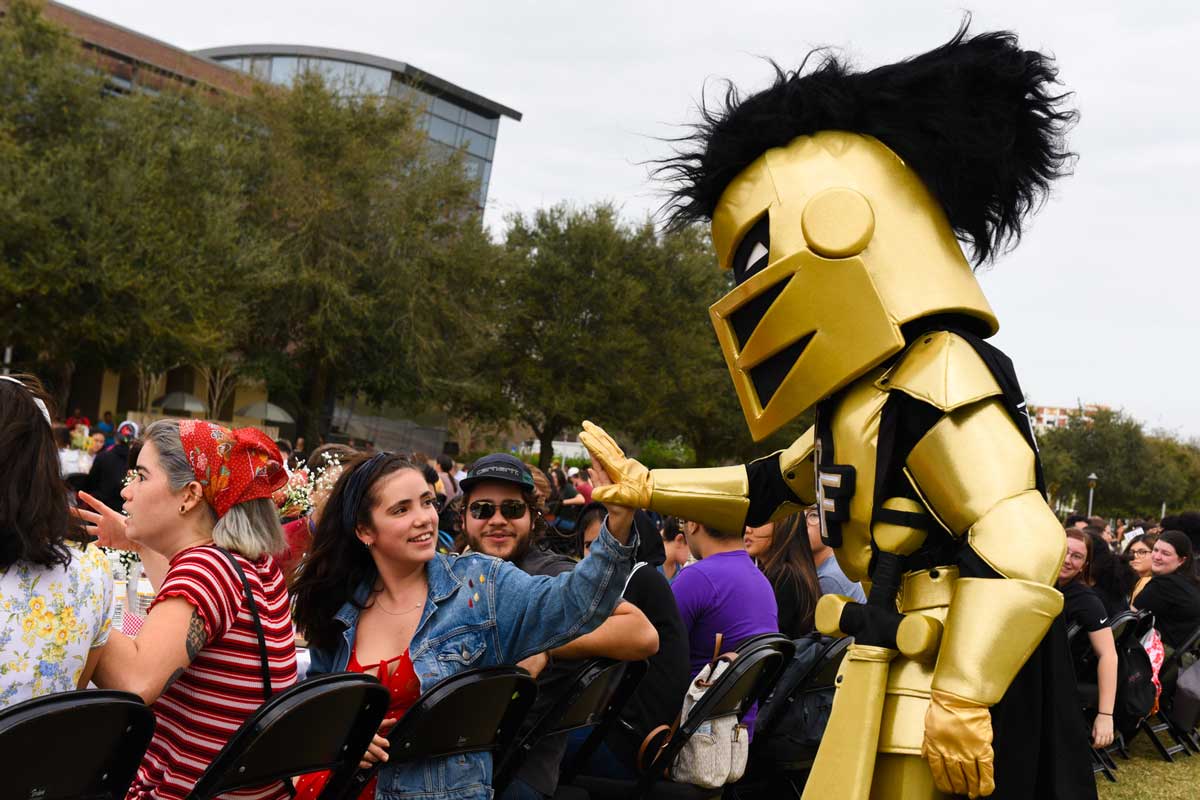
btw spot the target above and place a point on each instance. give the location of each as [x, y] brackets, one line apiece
[250, 528]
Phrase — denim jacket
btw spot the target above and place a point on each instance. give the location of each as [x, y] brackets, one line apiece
[482, 611]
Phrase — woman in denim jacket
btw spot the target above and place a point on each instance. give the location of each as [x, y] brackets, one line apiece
[374, 591]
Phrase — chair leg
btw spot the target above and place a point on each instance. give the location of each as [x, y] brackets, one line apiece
[1099, 764]
[1163, 750]
[1185, 738]
[1122, 747]
[1181, 742]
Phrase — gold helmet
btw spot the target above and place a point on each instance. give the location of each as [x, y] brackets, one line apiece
[838, 200]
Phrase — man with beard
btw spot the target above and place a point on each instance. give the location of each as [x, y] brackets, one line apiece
[501, 519]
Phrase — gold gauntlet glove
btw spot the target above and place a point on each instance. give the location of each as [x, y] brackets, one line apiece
[958, 745]
[993, 626]
[631, 485]
[717, 497]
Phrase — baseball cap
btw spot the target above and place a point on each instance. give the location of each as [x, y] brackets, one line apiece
[572, 472]
[498, 467]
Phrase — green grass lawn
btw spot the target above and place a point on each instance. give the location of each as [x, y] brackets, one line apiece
[1147, 777]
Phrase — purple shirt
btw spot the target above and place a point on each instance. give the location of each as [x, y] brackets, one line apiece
[724, 593]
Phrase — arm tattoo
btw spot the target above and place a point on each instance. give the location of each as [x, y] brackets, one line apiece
[195, 636]
[174, 677]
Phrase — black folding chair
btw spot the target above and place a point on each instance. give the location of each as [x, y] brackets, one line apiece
[1184, 741]
[595, 696]
[118, 727]
[1083, 662]
[748, 680]
[324, 723]
[479, 709]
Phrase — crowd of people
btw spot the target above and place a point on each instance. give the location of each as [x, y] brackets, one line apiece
[1143, 566]
[413, 569]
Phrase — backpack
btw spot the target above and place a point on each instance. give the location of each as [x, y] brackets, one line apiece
[716, 754]
[1136, 692]
[791, 723]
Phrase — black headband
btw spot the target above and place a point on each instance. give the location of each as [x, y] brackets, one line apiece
[356, 488]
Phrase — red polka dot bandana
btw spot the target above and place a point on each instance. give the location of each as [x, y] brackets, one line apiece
[232, 466]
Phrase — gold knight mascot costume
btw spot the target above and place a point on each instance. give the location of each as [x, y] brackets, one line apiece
[838, 200]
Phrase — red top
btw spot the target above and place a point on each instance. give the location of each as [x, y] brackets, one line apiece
[222, 686]
[404, 688]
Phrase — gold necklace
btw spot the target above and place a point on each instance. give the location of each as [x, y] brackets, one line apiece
[382, 608]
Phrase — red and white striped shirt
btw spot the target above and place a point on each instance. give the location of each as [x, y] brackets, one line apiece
[201, 710]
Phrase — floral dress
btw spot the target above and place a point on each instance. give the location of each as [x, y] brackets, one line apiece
[50, 620]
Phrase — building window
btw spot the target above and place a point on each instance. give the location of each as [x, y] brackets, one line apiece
[260, 67]
[284, 69]
[477, 122]
[442, 131]
[477, 144]
[448, 110]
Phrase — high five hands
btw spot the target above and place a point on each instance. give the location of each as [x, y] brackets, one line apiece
[621, 483]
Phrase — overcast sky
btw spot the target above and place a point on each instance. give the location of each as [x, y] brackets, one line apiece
[1098, 303]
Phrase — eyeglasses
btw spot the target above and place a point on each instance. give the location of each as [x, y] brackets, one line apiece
[1139, 553]
[486, 509]
[1077, 557]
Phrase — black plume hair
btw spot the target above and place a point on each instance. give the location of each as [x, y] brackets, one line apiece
[978, 119]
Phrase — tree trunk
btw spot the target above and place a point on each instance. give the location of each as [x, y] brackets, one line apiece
[546, 440]
[312, 425]
[147, 384]
[221, 383]
[62, 392]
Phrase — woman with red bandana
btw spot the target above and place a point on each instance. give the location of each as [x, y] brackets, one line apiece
[201, 517]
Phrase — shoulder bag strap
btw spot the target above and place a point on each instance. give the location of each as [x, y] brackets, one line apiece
[258, 628]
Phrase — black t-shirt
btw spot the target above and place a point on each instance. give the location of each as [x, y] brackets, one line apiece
[1083, 607]
[659, 696]
[788, 599]
[1175, 603]
[540, 769]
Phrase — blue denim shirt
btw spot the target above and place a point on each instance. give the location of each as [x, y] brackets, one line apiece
[482, 611]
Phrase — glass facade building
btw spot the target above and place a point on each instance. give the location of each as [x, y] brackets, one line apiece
[453, 117]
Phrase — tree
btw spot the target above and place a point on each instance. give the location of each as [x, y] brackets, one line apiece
[1137, 473]
[50, 107]
[125, 246]
[563, 343]
[370, 232]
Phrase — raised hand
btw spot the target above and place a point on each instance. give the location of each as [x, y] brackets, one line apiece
[626, 481]
[621, 483]
[104, 523]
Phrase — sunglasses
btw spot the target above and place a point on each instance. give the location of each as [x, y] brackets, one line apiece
[486, 509]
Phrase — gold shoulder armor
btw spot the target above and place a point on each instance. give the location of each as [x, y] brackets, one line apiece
[941, 369]
[798, 467]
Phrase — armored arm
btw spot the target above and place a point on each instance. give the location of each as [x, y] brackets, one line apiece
[975, 472]
[724, 498]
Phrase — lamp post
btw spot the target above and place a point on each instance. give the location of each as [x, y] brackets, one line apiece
[1091, 479]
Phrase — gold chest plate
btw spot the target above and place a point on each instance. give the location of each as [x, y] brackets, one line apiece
[855, 427]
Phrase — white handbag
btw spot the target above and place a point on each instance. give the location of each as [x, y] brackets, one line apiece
[716, 754]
